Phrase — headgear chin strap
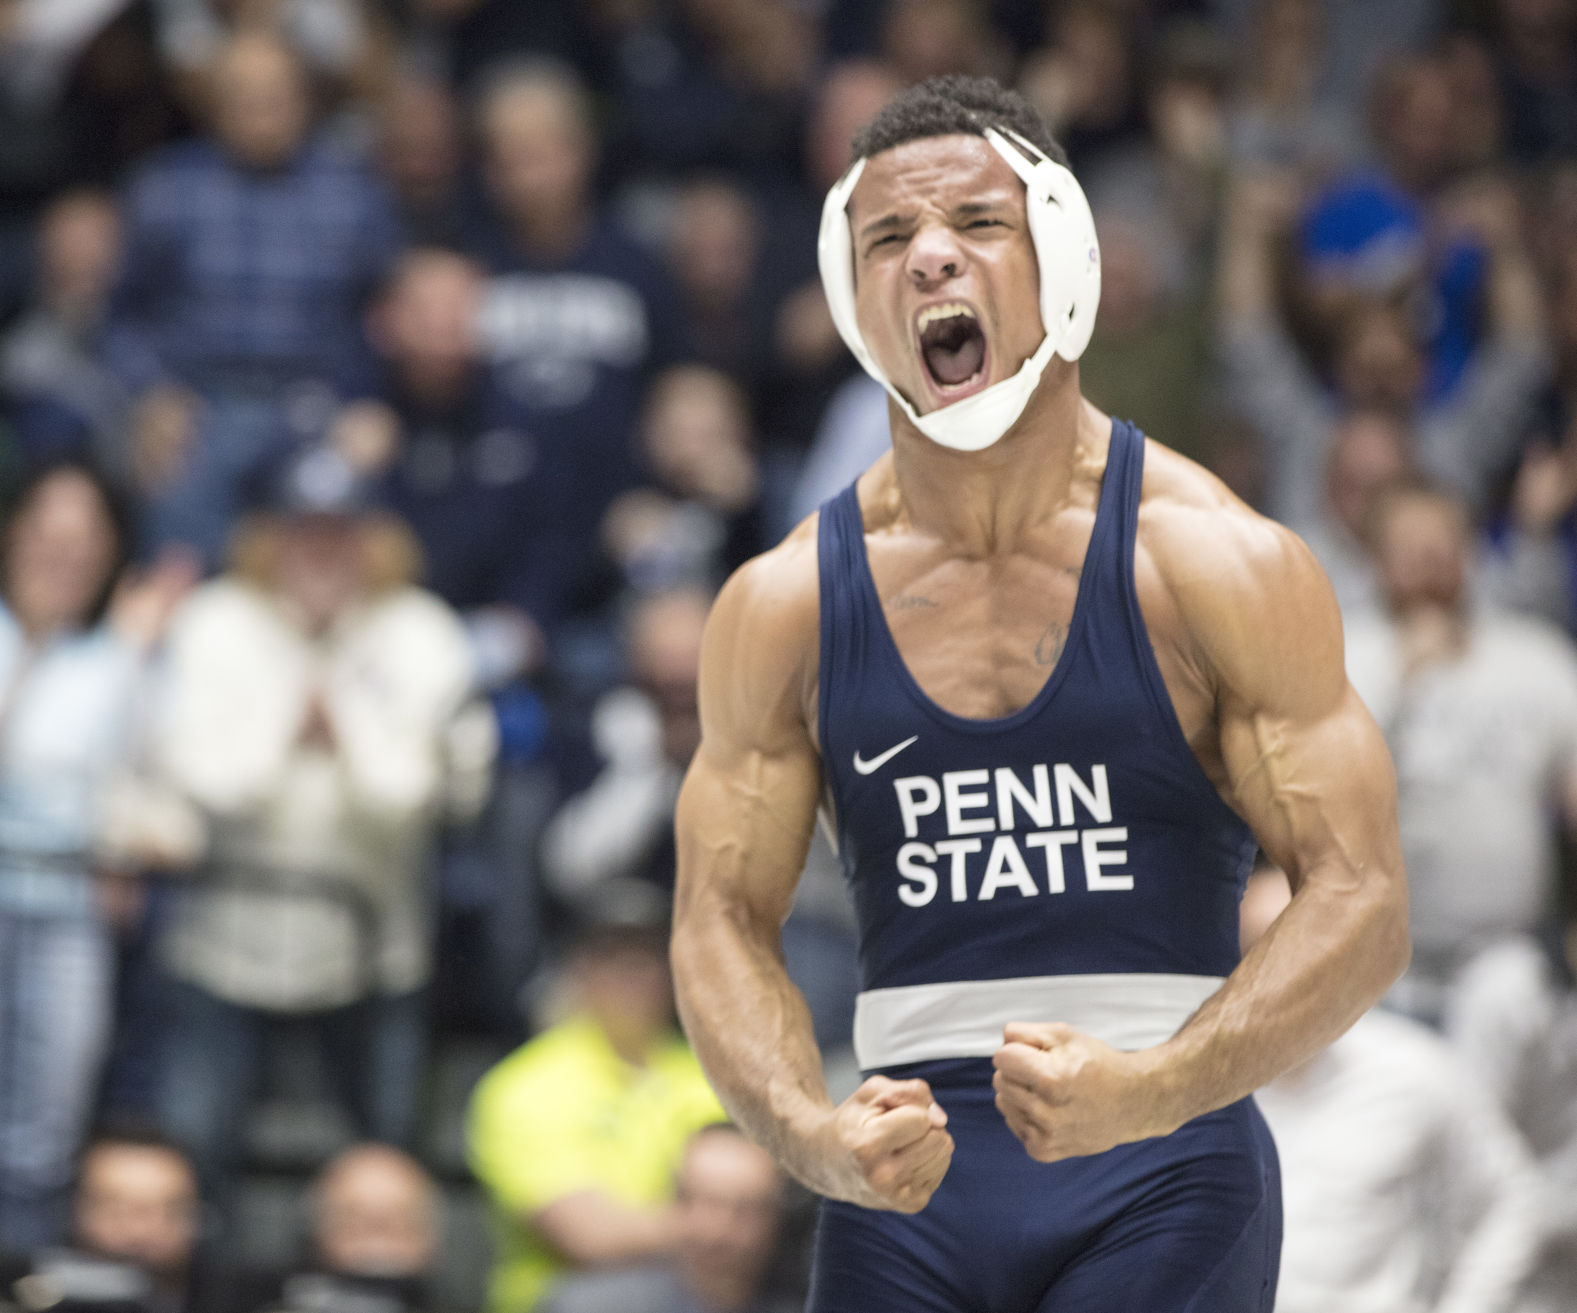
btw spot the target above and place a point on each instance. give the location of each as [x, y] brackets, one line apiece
[1063, 233]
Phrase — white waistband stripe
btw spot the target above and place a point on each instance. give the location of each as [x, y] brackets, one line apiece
[964, 1018]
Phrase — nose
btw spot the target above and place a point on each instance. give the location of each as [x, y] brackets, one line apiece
[934, 255]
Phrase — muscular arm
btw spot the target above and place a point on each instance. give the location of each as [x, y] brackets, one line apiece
[744, 822]
[1307, 768]
[1309, 771]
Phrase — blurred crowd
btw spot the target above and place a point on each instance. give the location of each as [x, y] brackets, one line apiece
[385, 387]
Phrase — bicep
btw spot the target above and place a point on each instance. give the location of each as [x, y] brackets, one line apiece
[1308, 767]
[744, 824]
[748, 804]
[1316, 787]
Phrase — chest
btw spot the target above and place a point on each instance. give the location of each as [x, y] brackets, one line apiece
[981, 637]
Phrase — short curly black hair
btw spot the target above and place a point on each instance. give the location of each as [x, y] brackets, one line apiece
[942, 106]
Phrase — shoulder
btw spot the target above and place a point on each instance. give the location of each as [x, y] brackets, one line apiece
[219, 607]
[761, 640]
[1250, 596]
[414, 630]
[1535, 648]
[543, 1063]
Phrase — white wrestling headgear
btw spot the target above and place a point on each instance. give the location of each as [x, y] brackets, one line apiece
[1063, 232]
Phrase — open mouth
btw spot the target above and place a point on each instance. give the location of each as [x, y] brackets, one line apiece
[953, 347]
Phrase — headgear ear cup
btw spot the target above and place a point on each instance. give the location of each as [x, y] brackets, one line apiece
[1067, 255]
[1066, 248]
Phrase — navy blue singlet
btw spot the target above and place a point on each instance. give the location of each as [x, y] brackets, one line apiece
[1069, 862]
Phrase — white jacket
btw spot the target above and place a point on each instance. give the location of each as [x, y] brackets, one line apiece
[312, 895]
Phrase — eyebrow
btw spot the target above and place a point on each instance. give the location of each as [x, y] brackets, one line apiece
[968, 208]
[877, 225]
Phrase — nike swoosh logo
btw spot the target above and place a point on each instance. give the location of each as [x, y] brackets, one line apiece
[876, 763]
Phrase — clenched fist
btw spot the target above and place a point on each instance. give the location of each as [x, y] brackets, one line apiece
[1064, 1093]
[891, 1145]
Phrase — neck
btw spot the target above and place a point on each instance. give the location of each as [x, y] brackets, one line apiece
[989, 501]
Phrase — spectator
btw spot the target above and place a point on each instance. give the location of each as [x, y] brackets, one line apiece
[1085, 80]
[700, 517]
[714, 254]
[1283, 117]
[61, 398]
[420, 154]
[477, 477]
[1149, 355]
[70, 668]
[248, 258]
[316, 714]
[1539, 541]
[576, 1135]
[1169, 184]
[374, 1241]
[1538, 76]
[809, 358]
[728, 1211]
[338, 39]
[609, 850]
[1378, 361]
[136, 1237]
[1480, 711]
[1403, 1186]
[929, 38]
[1370, 451]
[1398, 227]
[575, 315]
[1513, 1017]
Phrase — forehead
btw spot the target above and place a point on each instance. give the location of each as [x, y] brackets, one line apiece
[939, 172]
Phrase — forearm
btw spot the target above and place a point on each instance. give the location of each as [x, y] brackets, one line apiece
[1325, 961]
[751, 1029]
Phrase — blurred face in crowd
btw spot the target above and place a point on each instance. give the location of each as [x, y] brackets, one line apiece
[261, 106]
[1421, 546]
[419, 140]
[850, 96]
[1370, 451]
[427, 322]
[665, 662]
[1284, 58]
[78, 249]
[375, 1214]
[1378, 361]
[947, 289]
[1475, 99]
[319, 568]
[538, 154]
[927, 38]
[138, 1204]
[1538, 30]
[1416, 123]
[60, 553]
[697, 437]
[624, 983]
[729, 1204]
[716, 235]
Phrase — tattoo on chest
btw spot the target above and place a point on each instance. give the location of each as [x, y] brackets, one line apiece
[1050, 644]
[910, 602]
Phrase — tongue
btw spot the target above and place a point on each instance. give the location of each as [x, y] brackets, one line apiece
[956, 358]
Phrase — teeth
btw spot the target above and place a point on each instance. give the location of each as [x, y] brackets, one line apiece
[947, 310]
